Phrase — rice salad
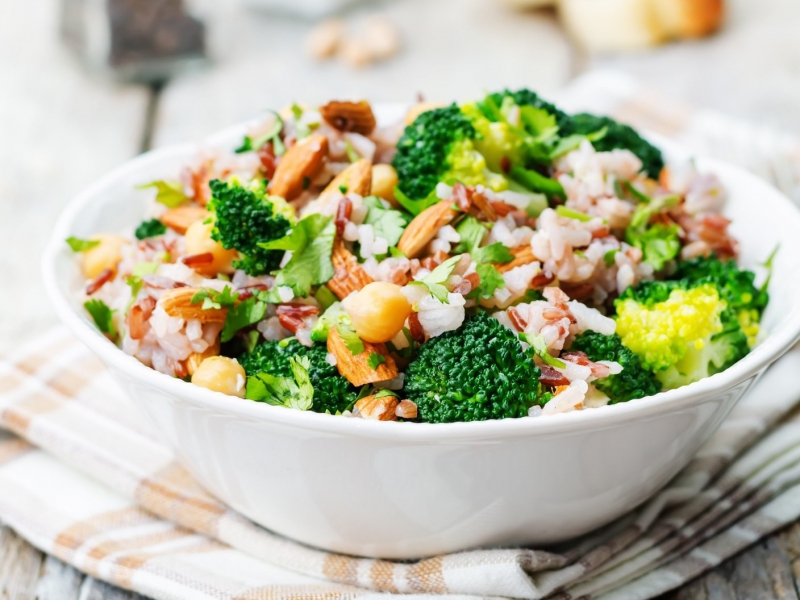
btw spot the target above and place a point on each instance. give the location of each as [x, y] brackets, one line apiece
[486, 260]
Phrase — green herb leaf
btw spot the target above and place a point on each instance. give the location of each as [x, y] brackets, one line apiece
[303, 130]
[435, 279]
[251, 340]
[471, 231]
[572, 142]
[272, 133]
[491, 280]
[325, 297]
[387, 223]
[539, 347]
[493, 253]
[311, 243]
[610, 257]
[396, 252]
[383, 392]
[144, 268]
[563, 211]
[659, 243]
[375, 360]
[333, 316]
[79, 245]
[350, 338]
[148, 229]
[103, 317]
[213, 299]
[296, 392]
[352, 155]
[241, 315]
[136, 283]
[416, 206]
[168, 193]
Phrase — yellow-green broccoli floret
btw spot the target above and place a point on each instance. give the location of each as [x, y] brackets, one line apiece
[678, 337]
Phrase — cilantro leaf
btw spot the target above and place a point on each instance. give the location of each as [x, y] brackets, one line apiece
[375, 360]
[168, 193]
[250, 144]
[311, 244]
[136, 283]
[571, 142]
[79, 245]
[416, 206]
[296, 392]
[242, 315]
[148, 229]
[610, 257]
[472, 233]
[212, 298]
[491, 280]
[659, 243]
[435, 280]
[103, 317]
[350, 338]
[144, 268]
[493, 253]
[383, 392]
[386, 222]
[539, 347]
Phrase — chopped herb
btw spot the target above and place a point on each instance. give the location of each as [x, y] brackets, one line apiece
[352, 155]
[325, 296]
[241, 315]
[212, 299]
[539, 347]
[396, 252]
[169, 193]
[148, 229]
[103, 317]
[383, 392]
[343, 189]
[144, 268]
[375, 360]
[251, 340]
[303, 130]
[136, 283]
[296, 392]
[350, 338]
[563, 211]
[387, 223]
[79, 245]
[491, 280]
[435, 280]
[610, 257]
[272, 134]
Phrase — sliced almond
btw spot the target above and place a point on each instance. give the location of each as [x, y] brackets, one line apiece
[523, 255]
[406, 410]
[195, 358]
[355, 367]
[349, 116]
[424, 227]
[357, 178]
[181, 218]
[349, 276]
[178, 303]
[299, 166]
[482, 203]
[377, 409]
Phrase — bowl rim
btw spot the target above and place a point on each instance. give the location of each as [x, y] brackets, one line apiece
[769, 350]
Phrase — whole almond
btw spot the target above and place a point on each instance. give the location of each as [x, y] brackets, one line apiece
[349, 116]
[177, 302]
[299, 166]
[181, 218]
[355, 367]
[357, 179]
[424, 227]
[349, 276]
[523, 255]
[378, 409]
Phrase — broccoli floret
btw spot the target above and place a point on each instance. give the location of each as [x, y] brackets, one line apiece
[617, 136]
[243, 218]
[474, 373]
[332, 392]
[683, 332]
[525, 97]
[736, 285]
[423, 151]
[633, 382]
[150, 228]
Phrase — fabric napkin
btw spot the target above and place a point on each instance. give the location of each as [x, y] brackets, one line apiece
[83, 477]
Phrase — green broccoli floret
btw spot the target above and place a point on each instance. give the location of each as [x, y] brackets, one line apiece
[151, 228]
[423, 151]
[737, 286]
[525, 97]
[332, 392]
[683, 331]
[474, 373]
[243, 218]
[617, 136]
[633, 382]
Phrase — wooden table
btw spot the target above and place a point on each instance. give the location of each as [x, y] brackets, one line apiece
[61, 128]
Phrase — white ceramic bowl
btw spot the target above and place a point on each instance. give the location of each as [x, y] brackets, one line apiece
[402, 490]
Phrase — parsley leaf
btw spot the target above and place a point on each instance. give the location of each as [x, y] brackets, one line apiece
[435, 280]
[383, 392]
[79, 245]
[296, 392]
[416, 206]
[250, 144]
[493, 253]
[242, 315]
[144, 268]
[350, 338]
[150, 228]
[387, 223]
[213, 299]
[168, 193]
[311, 243]
[472, 233]
[491, 280]
[659, 243]
[375, 360]
[539, 347]
[136, 284]
[103, 317]
[610, 257]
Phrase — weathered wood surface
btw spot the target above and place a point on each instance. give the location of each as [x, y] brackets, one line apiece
[62, 128]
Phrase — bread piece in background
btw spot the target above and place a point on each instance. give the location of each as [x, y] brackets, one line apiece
[613, 25]
[618, 25]
[690, 18]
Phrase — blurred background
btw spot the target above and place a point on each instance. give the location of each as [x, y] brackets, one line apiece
[87, 84]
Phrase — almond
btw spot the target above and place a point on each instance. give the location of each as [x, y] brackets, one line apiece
[482, 203]
[357, 178]
[177, 302]
[378, 409]
[523, 255]
[181, 218]
[355, 367]
[406, 410]
[349, 276]
[349, 116]
[195, 358]
[424, 227]
[299, 166]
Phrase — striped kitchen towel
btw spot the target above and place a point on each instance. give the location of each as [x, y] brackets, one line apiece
[83, 477]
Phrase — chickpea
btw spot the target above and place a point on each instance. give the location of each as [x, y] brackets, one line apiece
[221, 374]
[378, 311]
[106, 255]
[198, 241]
[384, 180]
